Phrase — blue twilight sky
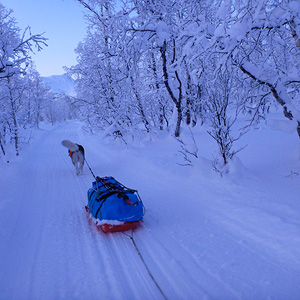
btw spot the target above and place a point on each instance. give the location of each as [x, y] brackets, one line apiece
[63, 23]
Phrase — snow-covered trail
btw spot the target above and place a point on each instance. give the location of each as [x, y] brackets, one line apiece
[51, 251]
[206, 245]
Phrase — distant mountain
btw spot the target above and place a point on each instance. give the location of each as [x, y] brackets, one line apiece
[62, 84]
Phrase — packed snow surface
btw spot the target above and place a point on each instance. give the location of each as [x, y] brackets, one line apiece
[203, 236]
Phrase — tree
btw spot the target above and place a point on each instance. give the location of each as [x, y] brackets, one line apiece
[223, 109]
[262, 41]
[15, 49]
[12, 94]
[35, 98]
[145, 61]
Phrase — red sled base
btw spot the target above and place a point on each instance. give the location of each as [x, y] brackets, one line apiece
[115, 227]
[121, 227]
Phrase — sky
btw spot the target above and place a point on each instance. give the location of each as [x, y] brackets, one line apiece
[64, 26]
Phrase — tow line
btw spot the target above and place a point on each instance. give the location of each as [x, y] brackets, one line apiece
[136, 247]
[143, 261]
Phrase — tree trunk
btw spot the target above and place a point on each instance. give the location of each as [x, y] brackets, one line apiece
[161, 109]
[2, 147]
[177, 102]
[178, 106]
[139, 103]
[15, 132]
[188, 95]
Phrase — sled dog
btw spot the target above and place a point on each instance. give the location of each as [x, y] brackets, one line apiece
[76, 152]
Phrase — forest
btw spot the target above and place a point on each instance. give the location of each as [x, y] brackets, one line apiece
[194, 105]
[149, 66]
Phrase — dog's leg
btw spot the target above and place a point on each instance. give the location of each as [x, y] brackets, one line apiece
[75, 161]
[81, 163]
[77, 168]
[78, 165]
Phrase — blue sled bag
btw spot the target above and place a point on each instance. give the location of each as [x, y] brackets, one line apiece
[111, 203]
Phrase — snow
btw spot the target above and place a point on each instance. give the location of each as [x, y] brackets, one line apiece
[162, 32]
[222, 11]
[61, 84]
[239, 30]
[203, 236]
[283, 125]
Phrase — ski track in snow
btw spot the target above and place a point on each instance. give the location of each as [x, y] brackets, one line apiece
[197, 245]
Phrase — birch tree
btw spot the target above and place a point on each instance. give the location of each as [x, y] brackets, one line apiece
[261, 39]
[15, 56]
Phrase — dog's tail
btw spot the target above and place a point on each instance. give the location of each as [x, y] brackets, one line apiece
[68, 144]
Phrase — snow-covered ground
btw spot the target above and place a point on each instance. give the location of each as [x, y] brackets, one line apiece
[203, 237]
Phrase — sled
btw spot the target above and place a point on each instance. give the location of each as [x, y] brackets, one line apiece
[114, 207]
[106, 227]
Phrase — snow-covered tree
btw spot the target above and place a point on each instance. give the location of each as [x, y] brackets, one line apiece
[223, 108]
[35, 98]
[148, 65]
[15, 51]
[15, 47]
[261, 38]
[11, 94]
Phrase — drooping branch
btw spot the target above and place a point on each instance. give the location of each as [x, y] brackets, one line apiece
[287, 113]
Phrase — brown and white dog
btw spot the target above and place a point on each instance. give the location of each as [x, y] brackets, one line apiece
[76, 152]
